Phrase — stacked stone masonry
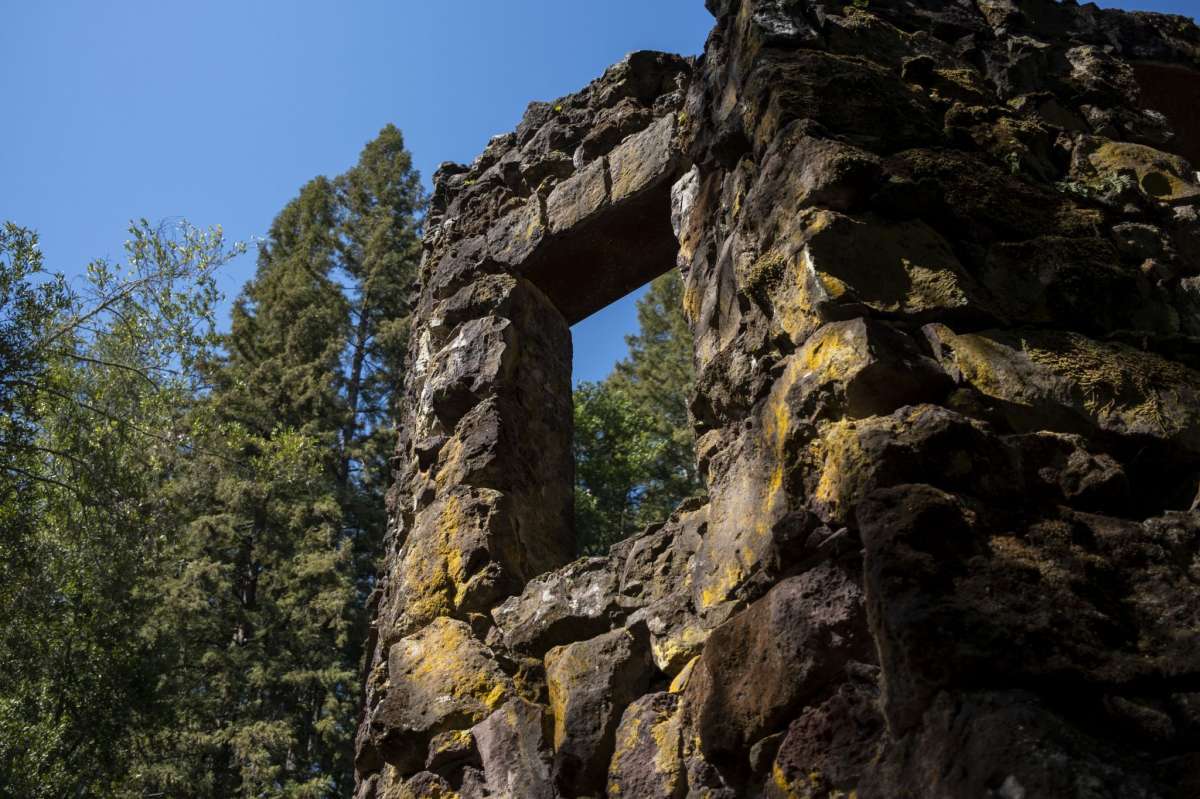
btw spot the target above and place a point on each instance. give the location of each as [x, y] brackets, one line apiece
[942, 269]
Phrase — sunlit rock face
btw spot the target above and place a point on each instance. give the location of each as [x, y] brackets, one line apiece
[942, 269]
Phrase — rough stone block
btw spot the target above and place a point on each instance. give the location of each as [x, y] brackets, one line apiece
[452, 560]
[577, 602]
[579, 197]
[440, 678]
[643, 159]
[761, 667]
[916, 443]
[855, 369]
[515, 752]
[647, 760]
[1102, 166]
[517, 234]
[591, 683]
[1066, 382]
[837, 267]
[957, 600]
[829, 748]
[469, 367]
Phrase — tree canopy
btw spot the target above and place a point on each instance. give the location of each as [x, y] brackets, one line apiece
[634, 446]
[192, 518]
[97, 388]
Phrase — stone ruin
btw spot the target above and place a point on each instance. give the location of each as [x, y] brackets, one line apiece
[942, 269]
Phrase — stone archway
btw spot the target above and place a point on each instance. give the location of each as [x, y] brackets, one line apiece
[523, 243]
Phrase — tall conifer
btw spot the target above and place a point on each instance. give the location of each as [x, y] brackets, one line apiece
[266, 607]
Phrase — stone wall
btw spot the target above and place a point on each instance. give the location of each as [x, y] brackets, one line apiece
[942, 268]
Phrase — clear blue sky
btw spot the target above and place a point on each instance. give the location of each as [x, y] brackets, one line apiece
[219, 111]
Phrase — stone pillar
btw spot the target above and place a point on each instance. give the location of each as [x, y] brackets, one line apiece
[551, 223]
[484, 503]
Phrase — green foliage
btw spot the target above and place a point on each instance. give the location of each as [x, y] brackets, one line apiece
[101, 409]
[254, 626]
[1104, 189]
[264, 613]
[615, 449]
[191, 521]
[634, 446]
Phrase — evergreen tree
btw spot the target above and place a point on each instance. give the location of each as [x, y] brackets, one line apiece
[265, 612]
[380, 201]
[634, 446]
[658, 376]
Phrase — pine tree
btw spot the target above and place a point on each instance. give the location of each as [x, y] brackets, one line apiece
[658, 376]
[266, 609]
[634, 446]
[378, 243]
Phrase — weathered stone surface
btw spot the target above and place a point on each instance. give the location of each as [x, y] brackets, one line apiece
[577, 602]
[749, 503]
[578, 197]
[941, 263]
[518, 233]
[829, 748]
[1046, 380]
[450, 751]
[422, 785]
[759, 668]
[956, 602]
[652, 566]
[676, 631]
[440, 679]
[904, 269]
[447, 567]
[843, 267]
[639, 580]
[1006, 744]
[1060, 469]
[643, 159]
[591, 683]
[802, 170]
[854, 457]
[515, 753]
[859, 368]
[975, 200]
[1078, 282]
[647, 760]
[467, 368]
[853, 96]
[1157, 175]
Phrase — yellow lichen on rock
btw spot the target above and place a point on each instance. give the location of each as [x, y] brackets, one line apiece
[646, 761]
[564, 665]
[677, 644]
[1161, 176]
[839, 456]
[1123, 388]
[681, 679]
[1048, 378]
[434, 579]
[439, 665]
